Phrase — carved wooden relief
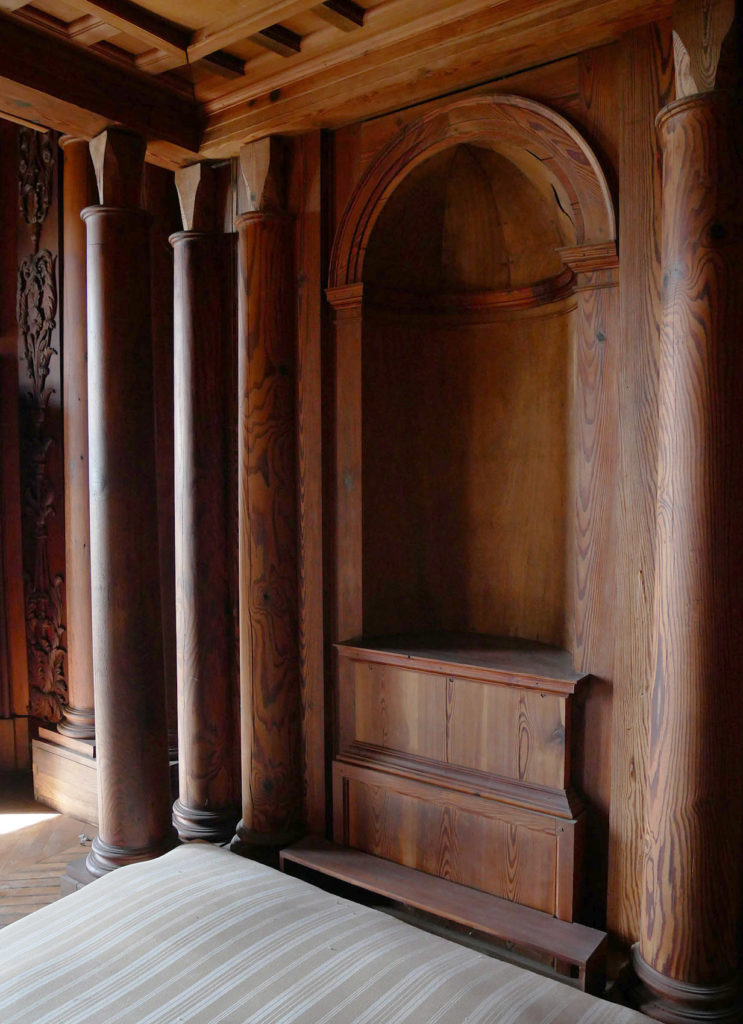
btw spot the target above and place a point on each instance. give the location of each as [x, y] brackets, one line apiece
[36, 313]
[35, 178]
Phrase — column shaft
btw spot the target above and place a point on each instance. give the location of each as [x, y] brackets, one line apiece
[79, 192]
[204, 381]
[269, 673]
[133, 781]
[688, 952]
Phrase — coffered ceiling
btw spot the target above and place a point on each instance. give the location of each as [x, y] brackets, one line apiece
[205, 76]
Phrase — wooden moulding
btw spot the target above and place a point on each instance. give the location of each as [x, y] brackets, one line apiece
[501, 121]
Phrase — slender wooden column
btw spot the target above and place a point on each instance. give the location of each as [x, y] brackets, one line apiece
[687, 957]
[203, 382]
[79, 192]
[133, 782]
[269, 671]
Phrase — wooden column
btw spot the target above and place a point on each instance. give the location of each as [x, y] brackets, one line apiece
[133, 781]
[688, 956]
[269, 670]
[79, 192]
[203, 384]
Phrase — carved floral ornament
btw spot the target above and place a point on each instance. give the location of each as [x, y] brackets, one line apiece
[35, 177]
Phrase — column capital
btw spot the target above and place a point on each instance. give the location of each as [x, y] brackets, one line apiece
[118, 161]
[263, 170]
[198, 197]
[701, 38]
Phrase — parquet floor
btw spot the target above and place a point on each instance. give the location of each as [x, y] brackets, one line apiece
[33, 853]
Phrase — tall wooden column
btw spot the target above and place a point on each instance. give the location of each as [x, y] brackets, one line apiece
[204, 382]
[79, 192]
[269, 671]
[133, 781]
[688, 955]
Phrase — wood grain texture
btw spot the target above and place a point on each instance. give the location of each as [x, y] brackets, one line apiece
[79, 192]
[647, 74]
[465, 463]
[691, 882]
[310, 269]
[269, 657]
[489, 846]
[203, 380]
[131, 726]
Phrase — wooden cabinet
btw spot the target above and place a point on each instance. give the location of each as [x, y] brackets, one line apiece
[453, 757]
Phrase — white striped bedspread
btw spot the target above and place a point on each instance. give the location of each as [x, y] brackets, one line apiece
[202, 935]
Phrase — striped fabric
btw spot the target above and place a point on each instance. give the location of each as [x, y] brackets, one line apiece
[202, 935]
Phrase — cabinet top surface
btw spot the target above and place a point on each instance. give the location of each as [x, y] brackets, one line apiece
[495, 658]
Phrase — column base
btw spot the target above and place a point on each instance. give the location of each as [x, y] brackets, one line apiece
[681, 1002]
[76, 876]
[262, 846]
[104, 857]
[209, 826]
[79, 723]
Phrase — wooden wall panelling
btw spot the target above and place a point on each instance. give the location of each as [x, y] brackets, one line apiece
[311, 267]
[161, 201]
[647, 80]
[452, 835]
[10, 498]
[40, 386]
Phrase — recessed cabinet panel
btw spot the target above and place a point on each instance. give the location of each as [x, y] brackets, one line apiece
[507, 731]
[482, 848]
[400, 710]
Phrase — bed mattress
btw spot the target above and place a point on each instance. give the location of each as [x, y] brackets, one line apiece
[201, 935]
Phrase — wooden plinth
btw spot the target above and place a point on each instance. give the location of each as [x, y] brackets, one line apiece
[65, 774]
[134, 790]
[687, 956]
[269, 671]
[204, 347]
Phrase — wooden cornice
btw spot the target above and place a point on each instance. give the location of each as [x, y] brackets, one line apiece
[54, 83]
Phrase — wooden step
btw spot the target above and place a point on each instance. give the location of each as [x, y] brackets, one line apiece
[573, 945]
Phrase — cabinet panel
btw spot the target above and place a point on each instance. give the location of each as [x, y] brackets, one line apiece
[400, 709]
[507, 731]
[444, 837]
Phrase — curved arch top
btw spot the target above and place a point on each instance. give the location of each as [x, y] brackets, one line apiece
[518, 127]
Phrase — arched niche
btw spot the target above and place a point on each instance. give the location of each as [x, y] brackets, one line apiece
[492, 217]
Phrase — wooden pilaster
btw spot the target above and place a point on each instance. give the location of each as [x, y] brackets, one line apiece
[79, 192]
[134, 791]
[269, 666]
[204, 381]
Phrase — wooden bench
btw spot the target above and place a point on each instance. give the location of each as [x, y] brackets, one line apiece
[573, 945]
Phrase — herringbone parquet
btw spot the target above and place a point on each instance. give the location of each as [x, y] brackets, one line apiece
[33, 857]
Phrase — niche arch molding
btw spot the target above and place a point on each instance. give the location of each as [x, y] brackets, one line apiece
[518, 127]
[537, 139]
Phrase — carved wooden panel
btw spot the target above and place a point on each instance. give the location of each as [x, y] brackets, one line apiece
[41, 443]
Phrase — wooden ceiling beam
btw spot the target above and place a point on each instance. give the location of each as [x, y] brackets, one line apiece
[279, 40]
[420, 67]
[139, 23]
[343, 14]
[88, 30]
[231, 30]
[50, 81]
